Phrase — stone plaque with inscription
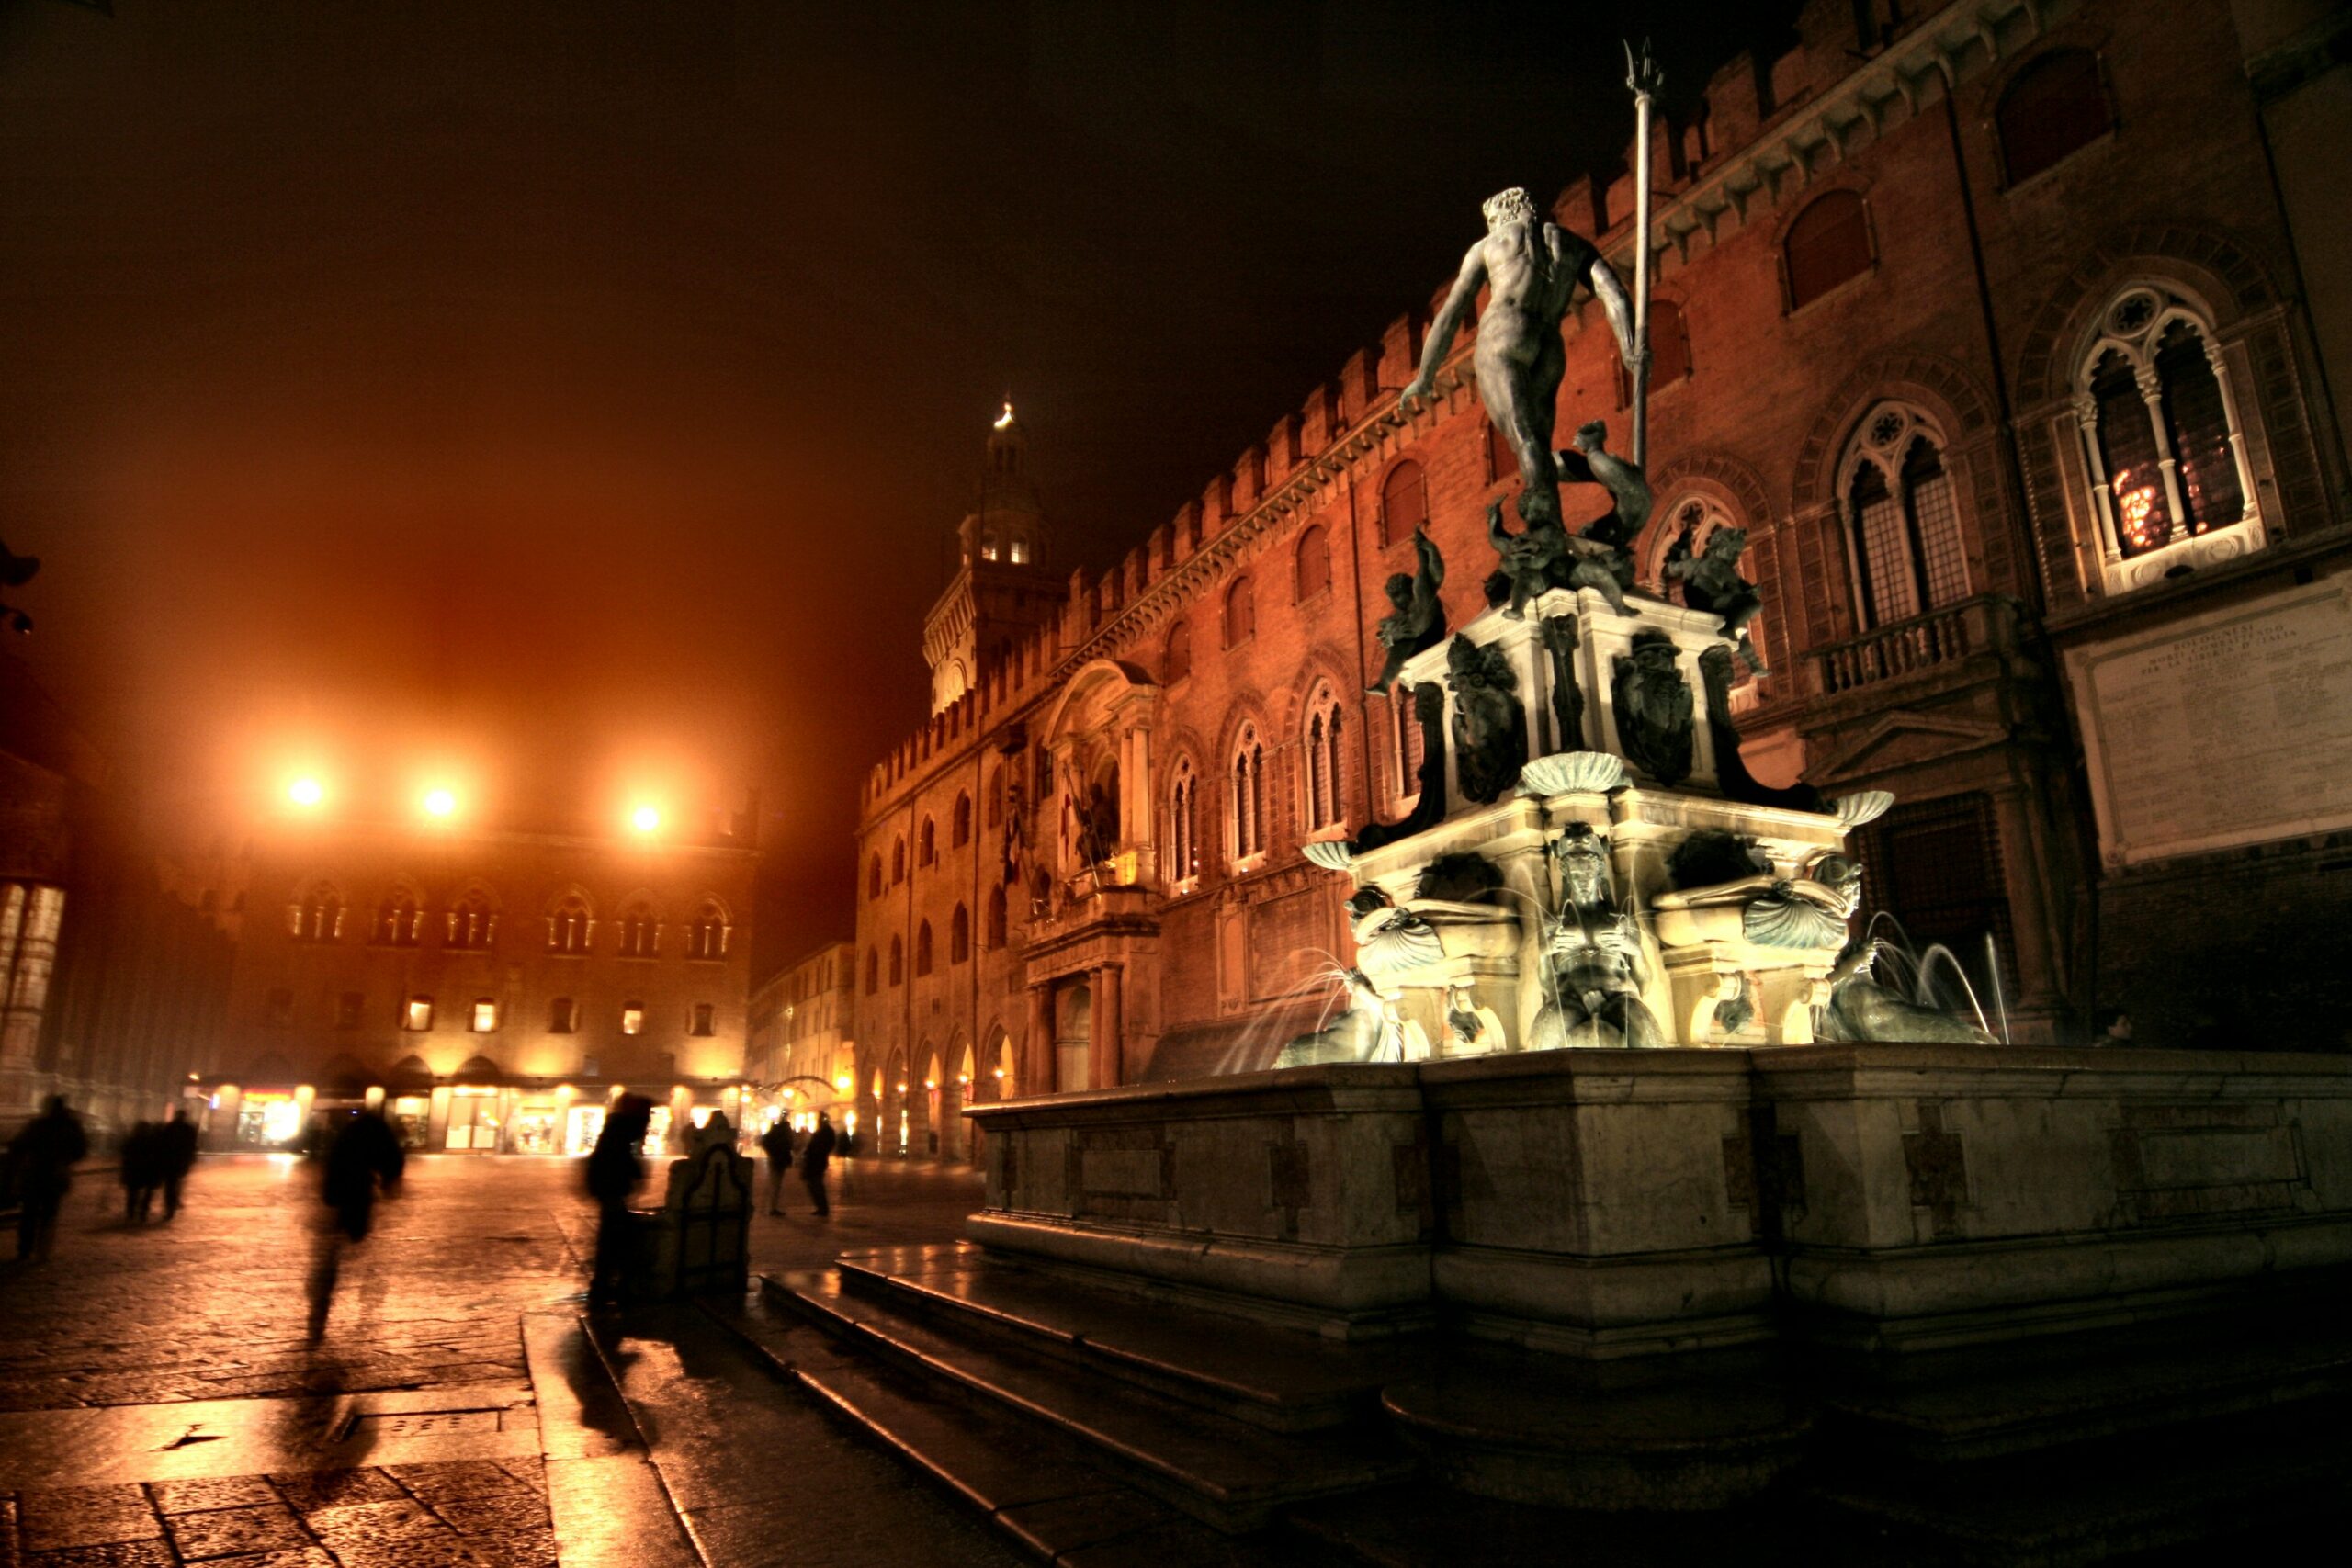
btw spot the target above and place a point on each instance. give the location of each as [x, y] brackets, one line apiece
[2232, 727]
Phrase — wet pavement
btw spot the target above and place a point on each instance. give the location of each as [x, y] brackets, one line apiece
[162, 1401]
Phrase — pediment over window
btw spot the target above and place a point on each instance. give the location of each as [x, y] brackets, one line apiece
[1899, 741]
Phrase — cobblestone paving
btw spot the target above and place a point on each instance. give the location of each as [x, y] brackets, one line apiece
[214, 1305]
[467, 1514]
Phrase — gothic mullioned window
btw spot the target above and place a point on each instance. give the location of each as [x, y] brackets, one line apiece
[1404, 502]
[1183, 819]
[1248, 780]
[640, 932]
[569, 925]
[706, 936]
[2161, 435]
[397, 919]
[317, 915]
[1323, 774]
[1902, 516]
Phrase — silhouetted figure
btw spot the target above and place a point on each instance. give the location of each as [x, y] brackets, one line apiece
[362, 1157]
[46, 1150]
[614, 1172]
[776, 1143]
[176, 1139]
[813, 1160]
[141, 1172]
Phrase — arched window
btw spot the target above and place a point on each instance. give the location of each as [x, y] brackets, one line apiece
[1404, 502]
[570, 926]
[396, 919]
[922, 948]
[318, 915]
[1314, 562]
[959, 935]
[640, 932]
[471, 923]
[987, 545]
[2055, 106]
[963, 821]
[1829, 243]
[898, 861]
[996, 796]
[1901, 515]
[927, 843]
[2160, 429]
[706, 936]
[873, 875]
[1249, 801]
[1177, 662]
[995, 937]
[897, 961]
[1183, 823]
[873, 970]
[1240, 613]
[1670, 351]
[1322, 795]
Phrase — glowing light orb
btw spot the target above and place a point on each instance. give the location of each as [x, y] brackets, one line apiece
[306, 791]
[645, 818]
[440, 801]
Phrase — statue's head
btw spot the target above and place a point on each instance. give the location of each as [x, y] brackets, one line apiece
[1727, 542]
[1583, 855]
[1461, 661]
[1400, 590]
[1842, 875]
[1655, 650]
[1367, 899]
[1508, 207]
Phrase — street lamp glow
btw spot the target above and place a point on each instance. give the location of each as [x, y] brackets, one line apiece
[306, 791]
[440, 801]
[645, 818]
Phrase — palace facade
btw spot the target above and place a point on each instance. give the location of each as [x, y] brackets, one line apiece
[796, 1052]
[492, 990]
[2007, 333]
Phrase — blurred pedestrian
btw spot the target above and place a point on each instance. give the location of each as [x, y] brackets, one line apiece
[176, 1139]
[813, 1160]
[614, 1171]
[142, 1171]
[776, 1143]
[46, 1149]
[363, 1161]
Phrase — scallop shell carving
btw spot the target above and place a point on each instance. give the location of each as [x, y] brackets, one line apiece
[1862, 806]
[1329, 853]
[1564, 773]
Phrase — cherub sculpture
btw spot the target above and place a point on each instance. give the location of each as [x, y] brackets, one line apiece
[1533, 560]
[1418, 620]
[1711, 582]
[1490, 732]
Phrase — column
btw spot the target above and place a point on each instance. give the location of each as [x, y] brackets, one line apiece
[1036, 1055]
[1107, 1048]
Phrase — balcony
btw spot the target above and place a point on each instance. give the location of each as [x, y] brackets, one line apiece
[1917, 648]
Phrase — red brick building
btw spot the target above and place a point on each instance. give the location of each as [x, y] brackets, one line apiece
[1990, 325]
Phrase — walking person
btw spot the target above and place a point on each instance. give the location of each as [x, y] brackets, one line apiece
[364, 1157]
[142, 1171]
[776, 1143]
[813, 1160]
[175, 1142]
[45, 1149]
[614, 1172]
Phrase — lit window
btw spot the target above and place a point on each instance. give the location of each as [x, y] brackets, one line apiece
[2057, 105]
[570, 927]
[1020, 551]
[1183, 837]
[396, 920]
[418, 1014]
[706, 937]
[471, 923]
[2161, 435]
[987, 547]
[1903, 517]
[317, 915]
[633, 1018]
[1828, 243]
[1403, 502]
[640, 932]
[485, 1016]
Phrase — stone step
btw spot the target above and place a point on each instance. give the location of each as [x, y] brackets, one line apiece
[1282, 1380]
[1226, 1474]
[1503, 1423]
